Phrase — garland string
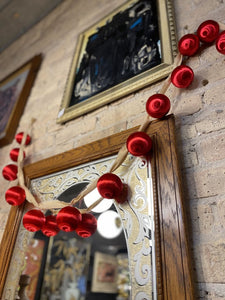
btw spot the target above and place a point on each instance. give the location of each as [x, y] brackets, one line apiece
[121, 156]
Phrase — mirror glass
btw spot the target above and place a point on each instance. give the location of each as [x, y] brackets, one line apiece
[117, 262]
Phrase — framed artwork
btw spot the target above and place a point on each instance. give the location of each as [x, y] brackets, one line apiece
[105, 273]
[14, 92]
[129, 49]
[158, 263]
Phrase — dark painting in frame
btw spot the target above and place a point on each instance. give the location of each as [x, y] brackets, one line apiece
[128, 50]
[14, 93]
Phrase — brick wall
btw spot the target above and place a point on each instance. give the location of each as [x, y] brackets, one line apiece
[199, 111]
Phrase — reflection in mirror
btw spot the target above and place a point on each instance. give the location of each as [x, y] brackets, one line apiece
[117, 262]
[80, 268]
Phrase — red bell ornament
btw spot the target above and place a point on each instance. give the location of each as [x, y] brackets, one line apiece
[19, 138]
[68, 218]
[158, 105]
[220, 43]
[139, 143]
[9, 172]
[15, 195]
[208, 31]
[14, 153]
[189, 44]
[50, 227]
[109, 186]
[87, 226]
[33, 220]
[182, 76]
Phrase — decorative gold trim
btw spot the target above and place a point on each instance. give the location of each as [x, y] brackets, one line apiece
[168, 49]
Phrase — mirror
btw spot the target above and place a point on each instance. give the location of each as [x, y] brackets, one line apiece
[152, 221]
[94, 268]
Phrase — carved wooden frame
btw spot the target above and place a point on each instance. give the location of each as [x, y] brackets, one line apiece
[173, 266]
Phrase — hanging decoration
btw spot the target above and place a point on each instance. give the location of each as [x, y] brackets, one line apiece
[68, 218]
[14, 153]
[33, 220]
[15, 195]
[64, 215]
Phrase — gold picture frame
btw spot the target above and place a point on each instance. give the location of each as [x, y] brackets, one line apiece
[100, 75]
[14, 92]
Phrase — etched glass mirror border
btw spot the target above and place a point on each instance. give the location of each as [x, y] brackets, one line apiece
[137, 221]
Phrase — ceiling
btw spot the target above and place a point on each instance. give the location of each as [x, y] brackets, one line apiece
[18, 16]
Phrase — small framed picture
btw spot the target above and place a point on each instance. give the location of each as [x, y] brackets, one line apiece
[104, 279]
[14, 92]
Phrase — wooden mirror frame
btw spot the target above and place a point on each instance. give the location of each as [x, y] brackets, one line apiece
[173, 265]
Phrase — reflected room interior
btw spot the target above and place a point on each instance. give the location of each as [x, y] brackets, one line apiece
[79, 268]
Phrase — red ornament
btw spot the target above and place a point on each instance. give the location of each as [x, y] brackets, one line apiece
[50, 227]
[68, 218]
[9, 172]
[33, 220]
[19, 138]
[158, 105]
[220, 43]
[182, 76]
[87, 226]
[188, 44]
[139, 143]
[14, 153]
[109, 186]
[15, 195]
[123, 196]
[208, 31]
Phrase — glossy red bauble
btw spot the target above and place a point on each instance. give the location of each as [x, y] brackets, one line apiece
[109, 186]
[139, 143]
[68, 218]
[189, 44]
[50, 227]
[208, 31]
[220, 43]
[15, 195]
[33, 220]
[19, 138]
[87, 226]
[182, 76]
[9, 172]
[158, 105]
[14, 153]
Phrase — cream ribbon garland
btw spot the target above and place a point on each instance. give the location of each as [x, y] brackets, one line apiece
[121, 156]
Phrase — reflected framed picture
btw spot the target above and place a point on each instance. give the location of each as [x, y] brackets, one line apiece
[14, 93]
[128, 50]
[104, 279]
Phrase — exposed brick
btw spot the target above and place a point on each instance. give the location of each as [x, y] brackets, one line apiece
[216, 93]
[212, 260]
[206, 182]
[187, 105]
[212, 148]
[211, 121]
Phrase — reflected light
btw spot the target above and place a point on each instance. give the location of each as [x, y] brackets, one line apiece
[93, 196]
[109, 224]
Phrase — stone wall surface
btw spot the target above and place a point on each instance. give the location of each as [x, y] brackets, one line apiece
[199, 111]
